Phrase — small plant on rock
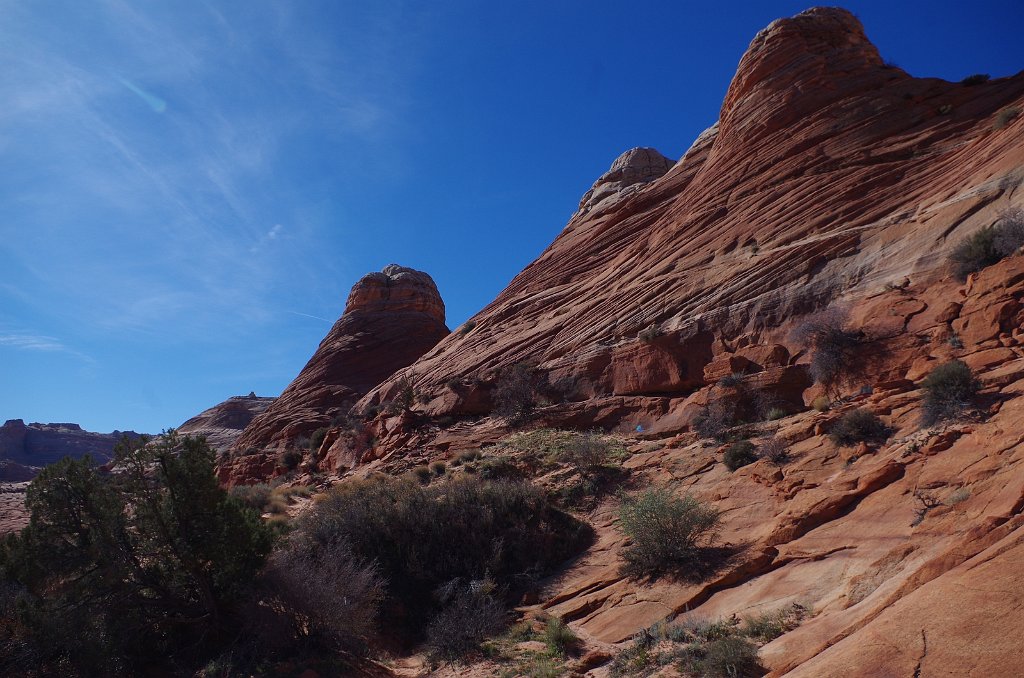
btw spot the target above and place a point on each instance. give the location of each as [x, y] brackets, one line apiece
[739, 455]
[773, 450]
[833, 348]
[667, 533]
[558, 637]
[859, 426]
[989, 245]
[515, 396]
[949, 389]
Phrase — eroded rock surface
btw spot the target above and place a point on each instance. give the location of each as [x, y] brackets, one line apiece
[391, 318]
[224, 422]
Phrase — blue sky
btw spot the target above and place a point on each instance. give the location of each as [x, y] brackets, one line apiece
[189, 189]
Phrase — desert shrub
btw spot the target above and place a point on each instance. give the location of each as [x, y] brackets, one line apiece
[424, 537]
[317, 439]
[515, 395]
[833, 348]
[291, 459]
[255, 496]
[821, 404]
[422, 473]
[667, 533]
[330, 592]
[469, 455]
[859, 426]
[774, 414]
[470, 615]
[989, 245]
[732, 380]
[973, 253]
[1009, 228]
[958, 496]
[500, 468]
[649, 334]
[948, 390]
[467, 327]
[773, 450]
[976, 79]
[438, 468]
[558, 637]
[589, 453]
[149, 562]
[1005, 116]
[716, 420]
[739, 454]
[730, 657]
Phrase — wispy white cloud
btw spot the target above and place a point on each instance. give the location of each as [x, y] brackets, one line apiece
[130, 220]
[39, 342]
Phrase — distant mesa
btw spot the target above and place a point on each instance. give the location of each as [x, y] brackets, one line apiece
[25, 448]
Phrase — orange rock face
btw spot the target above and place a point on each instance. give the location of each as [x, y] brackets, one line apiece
[224, 422]
[391, 319]
[829, 176]
[830, 179]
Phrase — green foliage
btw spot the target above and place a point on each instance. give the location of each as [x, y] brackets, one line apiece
[558, 637]
[424, 537]
[146, 562]
[1005, 117]
[317, 439]
[667, 533]
[989, 245]
[254, 496]
[859, 426]
[438, 468]
[948, 391]
[821, 404]
[740, 454]
[291, 459]
[730, 657]
[650, 334]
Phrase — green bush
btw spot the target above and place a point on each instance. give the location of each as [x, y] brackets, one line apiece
[424, 537]
[291, 459]
[558, 637]
[740, 454]
[116, 570]
[730, 657]
[317, 439]
[859, 426]
[438, 468]
[989, 245]
[667, 533]
[255, 496]
[1005, 117]
[948, 391]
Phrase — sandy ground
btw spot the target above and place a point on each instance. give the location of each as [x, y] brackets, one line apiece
[13, 515]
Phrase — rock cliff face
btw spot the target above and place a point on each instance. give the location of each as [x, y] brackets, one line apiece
[828, 176]
[391, 319]
[36, 445]
[224, 422]
[830, 179]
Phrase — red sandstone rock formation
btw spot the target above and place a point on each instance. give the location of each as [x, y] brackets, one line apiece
[224, 422]
[828, 176]
[391, 319]
[36, 445]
